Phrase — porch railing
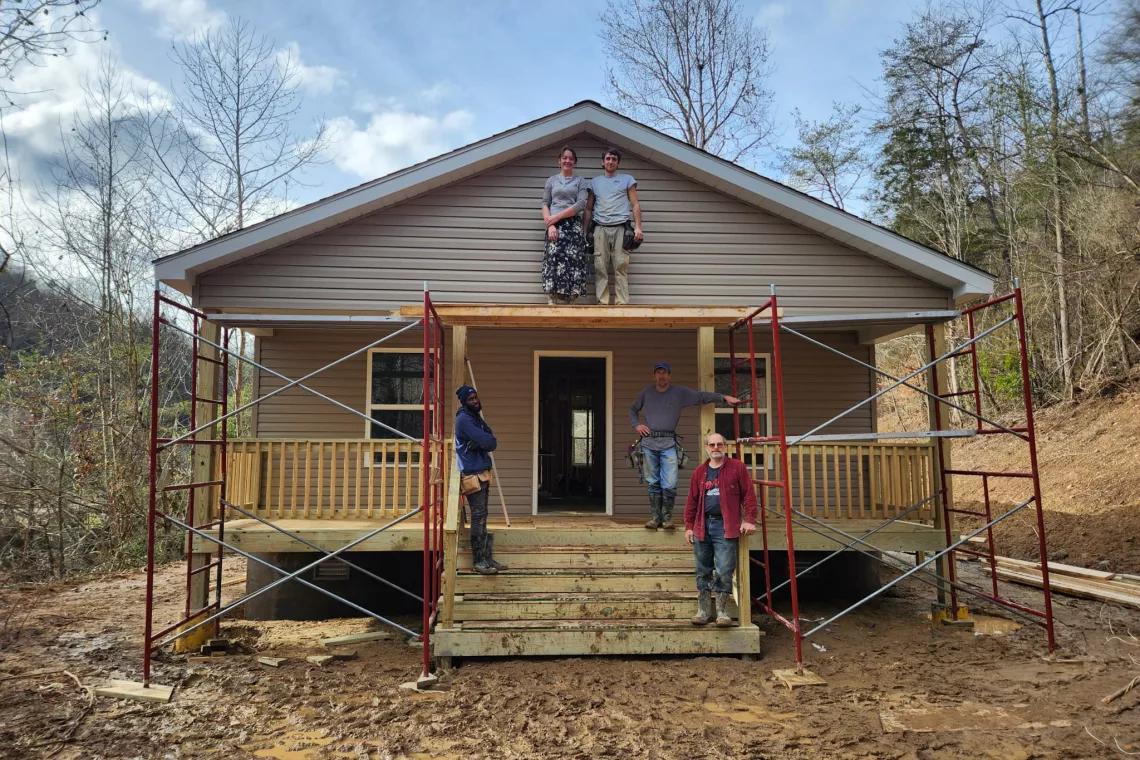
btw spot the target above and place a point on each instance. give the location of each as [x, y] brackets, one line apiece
[852, 480]
[330, 479]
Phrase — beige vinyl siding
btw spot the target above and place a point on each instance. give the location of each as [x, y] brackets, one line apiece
[480, 240]
[818, 385]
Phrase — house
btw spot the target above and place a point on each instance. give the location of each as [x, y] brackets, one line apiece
[320, 282]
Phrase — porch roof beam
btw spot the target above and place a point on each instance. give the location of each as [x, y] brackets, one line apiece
[613, 317]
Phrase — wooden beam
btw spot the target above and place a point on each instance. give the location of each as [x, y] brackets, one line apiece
[940, 373]
[681, 639]
[627, 317]
[458, 357]
[204, 460]
[706, 381]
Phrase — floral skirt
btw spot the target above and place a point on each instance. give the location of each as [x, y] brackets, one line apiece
[564, 264]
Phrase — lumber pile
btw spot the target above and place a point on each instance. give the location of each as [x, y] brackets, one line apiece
[1101, 585]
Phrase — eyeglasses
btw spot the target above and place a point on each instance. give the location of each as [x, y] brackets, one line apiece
[717, 445]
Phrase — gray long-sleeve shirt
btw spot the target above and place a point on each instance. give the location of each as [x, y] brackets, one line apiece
[662, 411]
[562, 193]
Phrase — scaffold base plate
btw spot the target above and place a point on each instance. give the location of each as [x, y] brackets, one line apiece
[794, 679]
[135, 690]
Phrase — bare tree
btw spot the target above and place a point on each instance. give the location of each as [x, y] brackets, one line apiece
[695, 69]
[227, 149]
[33, 32]
[830, 158]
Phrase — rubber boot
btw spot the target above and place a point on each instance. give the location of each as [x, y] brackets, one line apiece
[667, 512]
[480, 553]
[723, 619]
[655, 520]
[499, 566]
[704, 609]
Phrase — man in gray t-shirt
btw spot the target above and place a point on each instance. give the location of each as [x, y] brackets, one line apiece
[661, 403]
[612, 202]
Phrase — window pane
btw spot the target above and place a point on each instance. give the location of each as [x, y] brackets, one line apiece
[408, 421]
[583, 426]
[723, 382]
[582, 453]
[724, 425]
[397, 378]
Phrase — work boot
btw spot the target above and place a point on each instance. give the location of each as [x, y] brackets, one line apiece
[655, 520]
[704, 609]
[723, 619]
[667, 512]
[491, 554]
[480, 553]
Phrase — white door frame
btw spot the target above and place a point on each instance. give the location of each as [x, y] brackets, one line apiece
[609, 357]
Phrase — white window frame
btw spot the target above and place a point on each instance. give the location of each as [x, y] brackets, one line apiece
[766, 410]
[369, 407]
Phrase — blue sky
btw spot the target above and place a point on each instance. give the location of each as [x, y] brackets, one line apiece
[402, 81]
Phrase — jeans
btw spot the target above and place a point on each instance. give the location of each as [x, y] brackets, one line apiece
[661, 471]
[715, 553]
[478, 503]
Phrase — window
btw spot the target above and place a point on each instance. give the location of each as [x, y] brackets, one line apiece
[396, 394]
[583, 430]
[723, 384]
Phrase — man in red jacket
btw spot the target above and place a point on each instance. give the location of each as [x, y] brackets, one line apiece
[721, 506]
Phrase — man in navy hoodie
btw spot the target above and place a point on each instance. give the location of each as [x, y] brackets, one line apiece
[474, 443]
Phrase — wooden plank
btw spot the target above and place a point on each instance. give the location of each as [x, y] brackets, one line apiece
[135, 690]
[320, 477]
[452, 642]
[794, 679]
[1103, 591]
[678, 559]
[384, 479]
[447, 582]
[293, 487]
[270, 510]
[577, 582]
[281, 484]
[357, 638]
[859, 463]
[308, 474]
[676, 607]
[1057, 567]
[574, 317]
[372, 479]
[345, 504]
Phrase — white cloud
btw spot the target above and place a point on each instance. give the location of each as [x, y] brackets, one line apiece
[772, 14]
[395, 138]
[316, 80]
[181, 19]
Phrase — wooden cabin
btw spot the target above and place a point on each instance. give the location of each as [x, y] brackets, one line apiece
[320, 282]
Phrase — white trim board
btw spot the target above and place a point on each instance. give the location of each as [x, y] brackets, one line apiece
[609, 357]
[179, 270]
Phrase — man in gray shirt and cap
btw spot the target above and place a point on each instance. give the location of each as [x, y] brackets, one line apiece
[661, 403]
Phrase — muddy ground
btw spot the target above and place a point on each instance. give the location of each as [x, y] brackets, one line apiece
[897, 687]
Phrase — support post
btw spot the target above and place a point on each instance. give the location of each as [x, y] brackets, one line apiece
[937, 381]
[204, 459]
[706, 382]
[458, 356]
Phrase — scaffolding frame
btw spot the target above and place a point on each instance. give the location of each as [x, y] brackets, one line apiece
[431, 507]
[947, 583]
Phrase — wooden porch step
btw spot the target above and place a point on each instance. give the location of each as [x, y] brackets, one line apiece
[588, 558]
[655, 580]
[649, 637]
[600, 607]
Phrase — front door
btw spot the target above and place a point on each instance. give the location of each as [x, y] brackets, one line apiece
[573, 440]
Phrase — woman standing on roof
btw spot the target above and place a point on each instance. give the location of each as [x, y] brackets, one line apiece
[564, 263]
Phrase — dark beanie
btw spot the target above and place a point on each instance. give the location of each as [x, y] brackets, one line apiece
[463, 392]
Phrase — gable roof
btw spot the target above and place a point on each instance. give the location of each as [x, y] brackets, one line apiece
[180, 269]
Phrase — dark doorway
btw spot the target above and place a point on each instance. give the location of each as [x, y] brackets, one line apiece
[571, 434]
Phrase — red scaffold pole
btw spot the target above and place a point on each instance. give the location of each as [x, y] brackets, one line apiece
[785, 469]
[152, 497]
[1031, 434]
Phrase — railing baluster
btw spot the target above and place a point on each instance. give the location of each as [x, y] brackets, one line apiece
[296, 446]
[320, 479]
[384, 479]
[269, 479]
[371, 477]
[308, 475]
[281, 482]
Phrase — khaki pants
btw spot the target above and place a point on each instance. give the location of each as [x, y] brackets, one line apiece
[608, 252]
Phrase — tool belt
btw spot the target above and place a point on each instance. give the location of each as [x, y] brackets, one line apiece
[636, 457]
[473, 483]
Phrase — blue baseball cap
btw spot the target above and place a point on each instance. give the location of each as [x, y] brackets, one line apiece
[663, 365]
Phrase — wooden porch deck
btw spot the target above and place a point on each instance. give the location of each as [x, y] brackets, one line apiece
[562, 530]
